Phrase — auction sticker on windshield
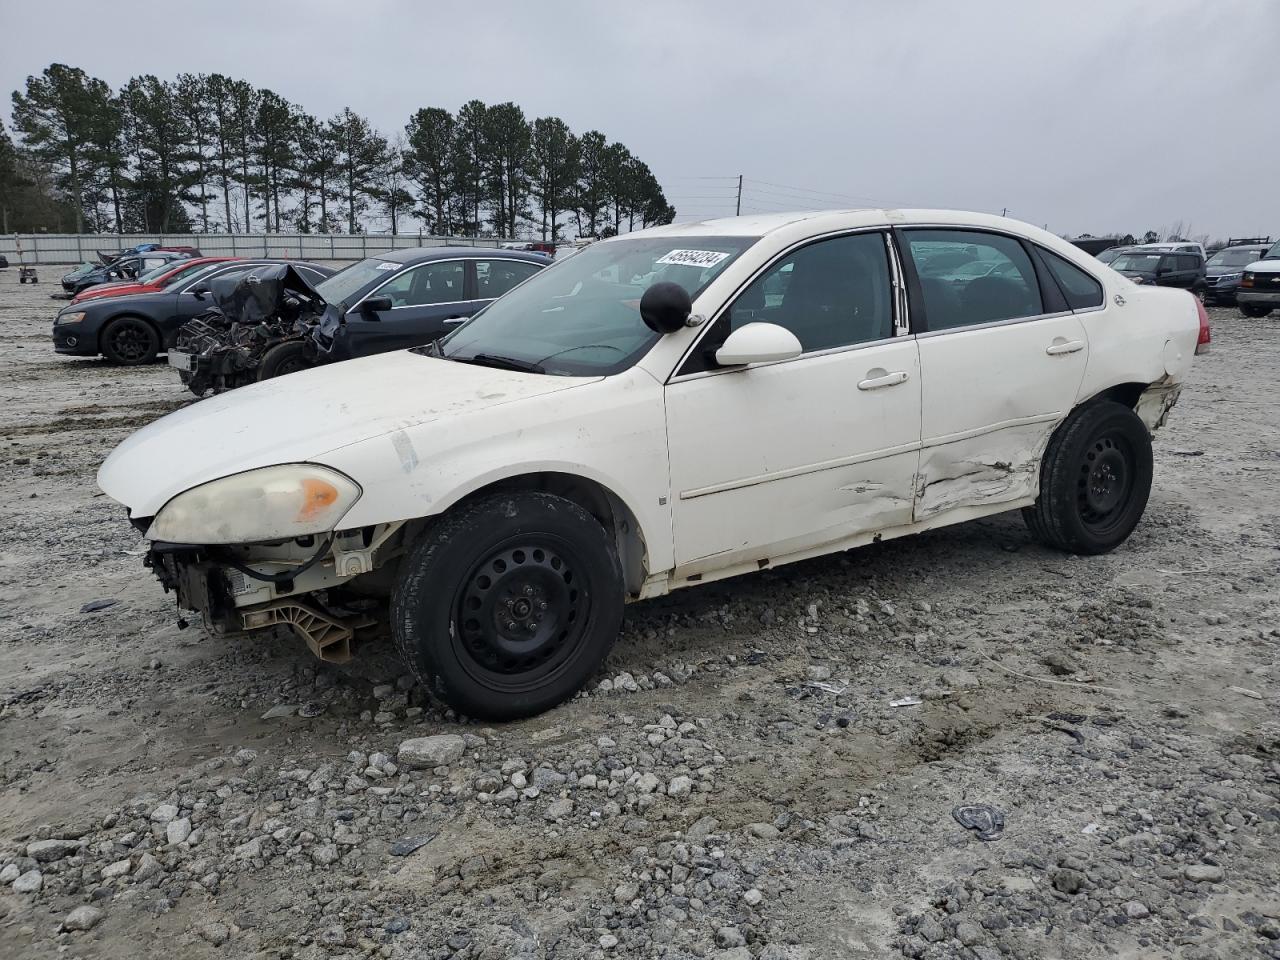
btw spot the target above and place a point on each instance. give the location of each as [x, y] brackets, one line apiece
[694, 258]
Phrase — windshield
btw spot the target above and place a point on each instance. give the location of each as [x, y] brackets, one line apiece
[581, 316]
[347, 282]
[155, 273]
[1137, 262]
[1234, 258]
[186, 273]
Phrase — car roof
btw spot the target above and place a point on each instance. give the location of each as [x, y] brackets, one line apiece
[1264, 247]
[415, 255]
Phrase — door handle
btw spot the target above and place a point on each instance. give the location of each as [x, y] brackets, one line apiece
[454, 319]
[1060, 346]
[882, 379]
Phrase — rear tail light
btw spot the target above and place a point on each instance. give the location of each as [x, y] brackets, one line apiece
[1202, 343]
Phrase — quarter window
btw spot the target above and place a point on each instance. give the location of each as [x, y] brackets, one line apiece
[1080, 289]
[496, 277]
[422, 286]
[968, 278]
[829, 294]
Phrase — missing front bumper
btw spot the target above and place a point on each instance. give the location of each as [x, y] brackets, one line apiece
[212, 590]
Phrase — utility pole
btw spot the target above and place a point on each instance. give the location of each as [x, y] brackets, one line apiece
[737, 211]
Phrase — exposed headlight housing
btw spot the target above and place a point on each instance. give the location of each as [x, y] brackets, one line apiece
[270, 503]
[75, 316]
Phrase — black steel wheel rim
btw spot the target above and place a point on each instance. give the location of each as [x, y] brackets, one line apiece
[521, 613]
[290, 365]
[1105, 482]
[131, 342]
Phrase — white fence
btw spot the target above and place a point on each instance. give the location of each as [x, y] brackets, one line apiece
[51, 248]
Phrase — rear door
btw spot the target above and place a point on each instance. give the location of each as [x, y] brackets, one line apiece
[1001, 361]
[424, 298]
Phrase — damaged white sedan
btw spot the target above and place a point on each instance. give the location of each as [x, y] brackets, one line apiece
[669, 407]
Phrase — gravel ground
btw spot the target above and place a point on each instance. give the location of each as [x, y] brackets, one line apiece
[738, 785]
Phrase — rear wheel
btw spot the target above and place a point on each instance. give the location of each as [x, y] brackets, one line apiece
[130, 341]
[288, 357]
[1094, 480]
[1254, 310]
[507, 606]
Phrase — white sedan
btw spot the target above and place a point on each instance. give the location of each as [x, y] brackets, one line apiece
[670, 407]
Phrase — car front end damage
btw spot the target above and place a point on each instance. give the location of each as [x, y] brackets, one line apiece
[253, 314]
[324, 588]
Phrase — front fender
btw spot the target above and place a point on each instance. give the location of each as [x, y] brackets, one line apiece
[612, 433]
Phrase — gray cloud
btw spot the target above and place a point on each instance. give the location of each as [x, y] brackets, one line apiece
[1086, 115]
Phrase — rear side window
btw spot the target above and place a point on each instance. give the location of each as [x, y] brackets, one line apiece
[968, 277]
[496, 277]
[1080, 289]
[1187, 261]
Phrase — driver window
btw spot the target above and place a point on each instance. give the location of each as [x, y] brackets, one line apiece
[424, 285]
[833, 293]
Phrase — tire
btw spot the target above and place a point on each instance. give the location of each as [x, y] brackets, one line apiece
[540, 560]
[1094, 480]
[130, 342]
[284, 358]
[1254, 310]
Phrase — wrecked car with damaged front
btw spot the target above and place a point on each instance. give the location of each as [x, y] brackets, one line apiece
[670, 407]
[256, 329]
[400, 299]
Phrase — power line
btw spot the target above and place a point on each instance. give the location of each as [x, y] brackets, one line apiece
[816, 193]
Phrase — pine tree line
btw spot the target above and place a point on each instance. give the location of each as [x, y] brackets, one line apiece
[206, 153]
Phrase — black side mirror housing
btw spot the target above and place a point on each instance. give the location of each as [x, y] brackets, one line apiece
[374, 306]
[665, 307]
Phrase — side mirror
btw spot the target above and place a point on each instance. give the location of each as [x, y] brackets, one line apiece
[665, 307]
[758, 343]
[200, 291]
[374, 306]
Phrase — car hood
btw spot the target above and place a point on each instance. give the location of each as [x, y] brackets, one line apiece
[118, 289]
[1144, 274]
[303, 416]
[1264, 266]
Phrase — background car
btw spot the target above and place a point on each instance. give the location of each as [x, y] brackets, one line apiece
[1259, 290]
[1110, 254]
[153, 281]
[1185, 270]
[409, 298]
[133, 329]
[126, 268]
[1225, 268]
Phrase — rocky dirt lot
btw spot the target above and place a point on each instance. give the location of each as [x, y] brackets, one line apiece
[741, 783]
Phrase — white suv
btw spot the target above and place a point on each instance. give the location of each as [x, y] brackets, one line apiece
[666, 408]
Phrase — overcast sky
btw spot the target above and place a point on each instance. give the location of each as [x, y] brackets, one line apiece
[1121, 115]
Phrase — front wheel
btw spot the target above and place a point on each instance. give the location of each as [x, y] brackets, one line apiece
[1094, 480]
[130, 341]
[508, 605]
[284, 358]
[1254, 310]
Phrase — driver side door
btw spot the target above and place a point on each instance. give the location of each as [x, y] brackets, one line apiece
[778, 459]
[423, 301]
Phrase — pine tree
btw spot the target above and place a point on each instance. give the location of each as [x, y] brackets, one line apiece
[554, 171]
[428, 162]
[56, 117]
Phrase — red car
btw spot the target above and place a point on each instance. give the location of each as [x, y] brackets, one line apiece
[153, 281]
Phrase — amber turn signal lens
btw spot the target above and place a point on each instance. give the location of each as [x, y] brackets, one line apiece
[317, 495]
